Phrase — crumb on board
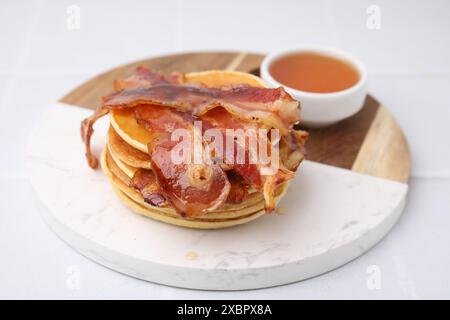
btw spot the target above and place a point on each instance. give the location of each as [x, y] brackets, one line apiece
[191, 255]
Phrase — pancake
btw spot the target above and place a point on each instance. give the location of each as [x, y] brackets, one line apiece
[123, 161]
[121, 180]
[178, 221]
[225, 216]
[126, 153]
[125, 168]
[219, 78]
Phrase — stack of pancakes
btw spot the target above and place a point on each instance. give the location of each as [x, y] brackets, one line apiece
[126, 152]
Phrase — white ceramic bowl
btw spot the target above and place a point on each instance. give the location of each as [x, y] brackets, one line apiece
[323, 109]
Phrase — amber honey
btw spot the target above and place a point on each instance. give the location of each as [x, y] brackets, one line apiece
[314, 72]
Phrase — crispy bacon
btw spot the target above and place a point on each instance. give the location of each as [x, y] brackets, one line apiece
[272, 107]
[193, 189]
[142, 78]
[145, 182]
[162, 120]
[219, 118]
[292, 149]
[163, 104]
[145, 78]
[238, 188]
[251, 172]
[87, 130]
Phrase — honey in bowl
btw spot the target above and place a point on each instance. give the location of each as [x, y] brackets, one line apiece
[312, 72]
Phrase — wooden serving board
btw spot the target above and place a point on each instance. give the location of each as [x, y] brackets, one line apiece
[370, 142]
[340, 204]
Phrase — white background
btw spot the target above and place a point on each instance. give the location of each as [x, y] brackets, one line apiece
[409, 69]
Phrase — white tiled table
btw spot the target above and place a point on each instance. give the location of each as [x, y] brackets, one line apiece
[409, 66]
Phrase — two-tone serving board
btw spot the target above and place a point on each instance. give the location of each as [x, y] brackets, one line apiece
[345, 198]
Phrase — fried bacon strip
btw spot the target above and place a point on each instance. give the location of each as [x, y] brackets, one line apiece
[292, 149]
[87, 130]
[145, 182]
[238, 188]
[251, 173]
[142, 78]
[272, 107]
[163, 104]
[193, 189]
